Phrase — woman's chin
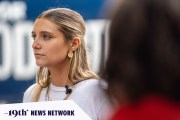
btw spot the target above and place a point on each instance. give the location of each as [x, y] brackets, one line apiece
[40, 64]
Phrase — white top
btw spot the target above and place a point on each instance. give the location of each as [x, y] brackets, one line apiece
[88, 94]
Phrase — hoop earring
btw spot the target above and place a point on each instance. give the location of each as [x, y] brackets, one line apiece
[70, 54]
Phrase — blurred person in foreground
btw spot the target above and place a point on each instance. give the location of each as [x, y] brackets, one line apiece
[143, 65]
[64, 73]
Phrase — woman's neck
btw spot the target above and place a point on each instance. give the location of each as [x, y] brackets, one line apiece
[59, 76]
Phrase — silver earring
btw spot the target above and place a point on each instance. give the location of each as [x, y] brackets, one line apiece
[70, 54]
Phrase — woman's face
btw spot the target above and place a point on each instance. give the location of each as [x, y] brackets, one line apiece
[49, 46]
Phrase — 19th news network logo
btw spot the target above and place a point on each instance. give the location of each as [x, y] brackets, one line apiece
[22, 112]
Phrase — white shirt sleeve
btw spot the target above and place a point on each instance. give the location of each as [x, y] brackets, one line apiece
[106, 111]
[28, 94]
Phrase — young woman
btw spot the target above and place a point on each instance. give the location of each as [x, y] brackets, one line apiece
[64, 73]
[143, 66]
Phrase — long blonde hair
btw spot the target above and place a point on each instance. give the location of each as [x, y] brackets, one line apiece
[71, 24]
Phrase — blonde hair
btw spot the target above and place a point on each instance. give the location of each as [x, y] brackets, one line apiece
[71, 24]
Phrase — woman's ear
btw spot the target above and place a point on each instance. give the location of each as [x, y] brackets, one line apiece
[74, 43]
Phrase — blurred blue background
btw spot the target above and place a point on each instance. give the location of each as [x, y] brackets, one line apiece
[17, 64]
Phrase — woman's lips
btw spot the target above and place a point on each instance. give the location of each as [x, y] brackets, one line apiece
[38, 54]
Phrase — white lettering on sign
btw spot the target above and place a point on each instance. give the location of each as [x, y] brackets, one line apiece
[94, 42]
[5, 68]
[22, 34]
[13, 49]
[12, 11]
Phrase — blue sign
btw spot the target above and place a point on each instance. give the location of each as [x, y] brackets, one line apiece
[17, 64]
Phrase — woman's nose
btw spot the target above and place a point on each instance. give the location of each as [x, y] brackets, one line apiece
[36, 44]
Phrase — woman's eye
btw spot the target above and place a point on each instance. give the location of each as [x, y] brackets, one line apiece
[34, 37]
[46, 37]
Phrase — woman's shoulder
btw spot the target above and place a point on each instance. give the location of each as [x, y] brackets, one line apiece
[95, 83]
[30, 88]
[92, 97]
[93, 87]
[92, 82]
[28, 94]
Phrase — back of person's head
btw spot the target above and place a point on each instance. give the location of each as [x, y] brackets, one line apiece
[144, 50]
